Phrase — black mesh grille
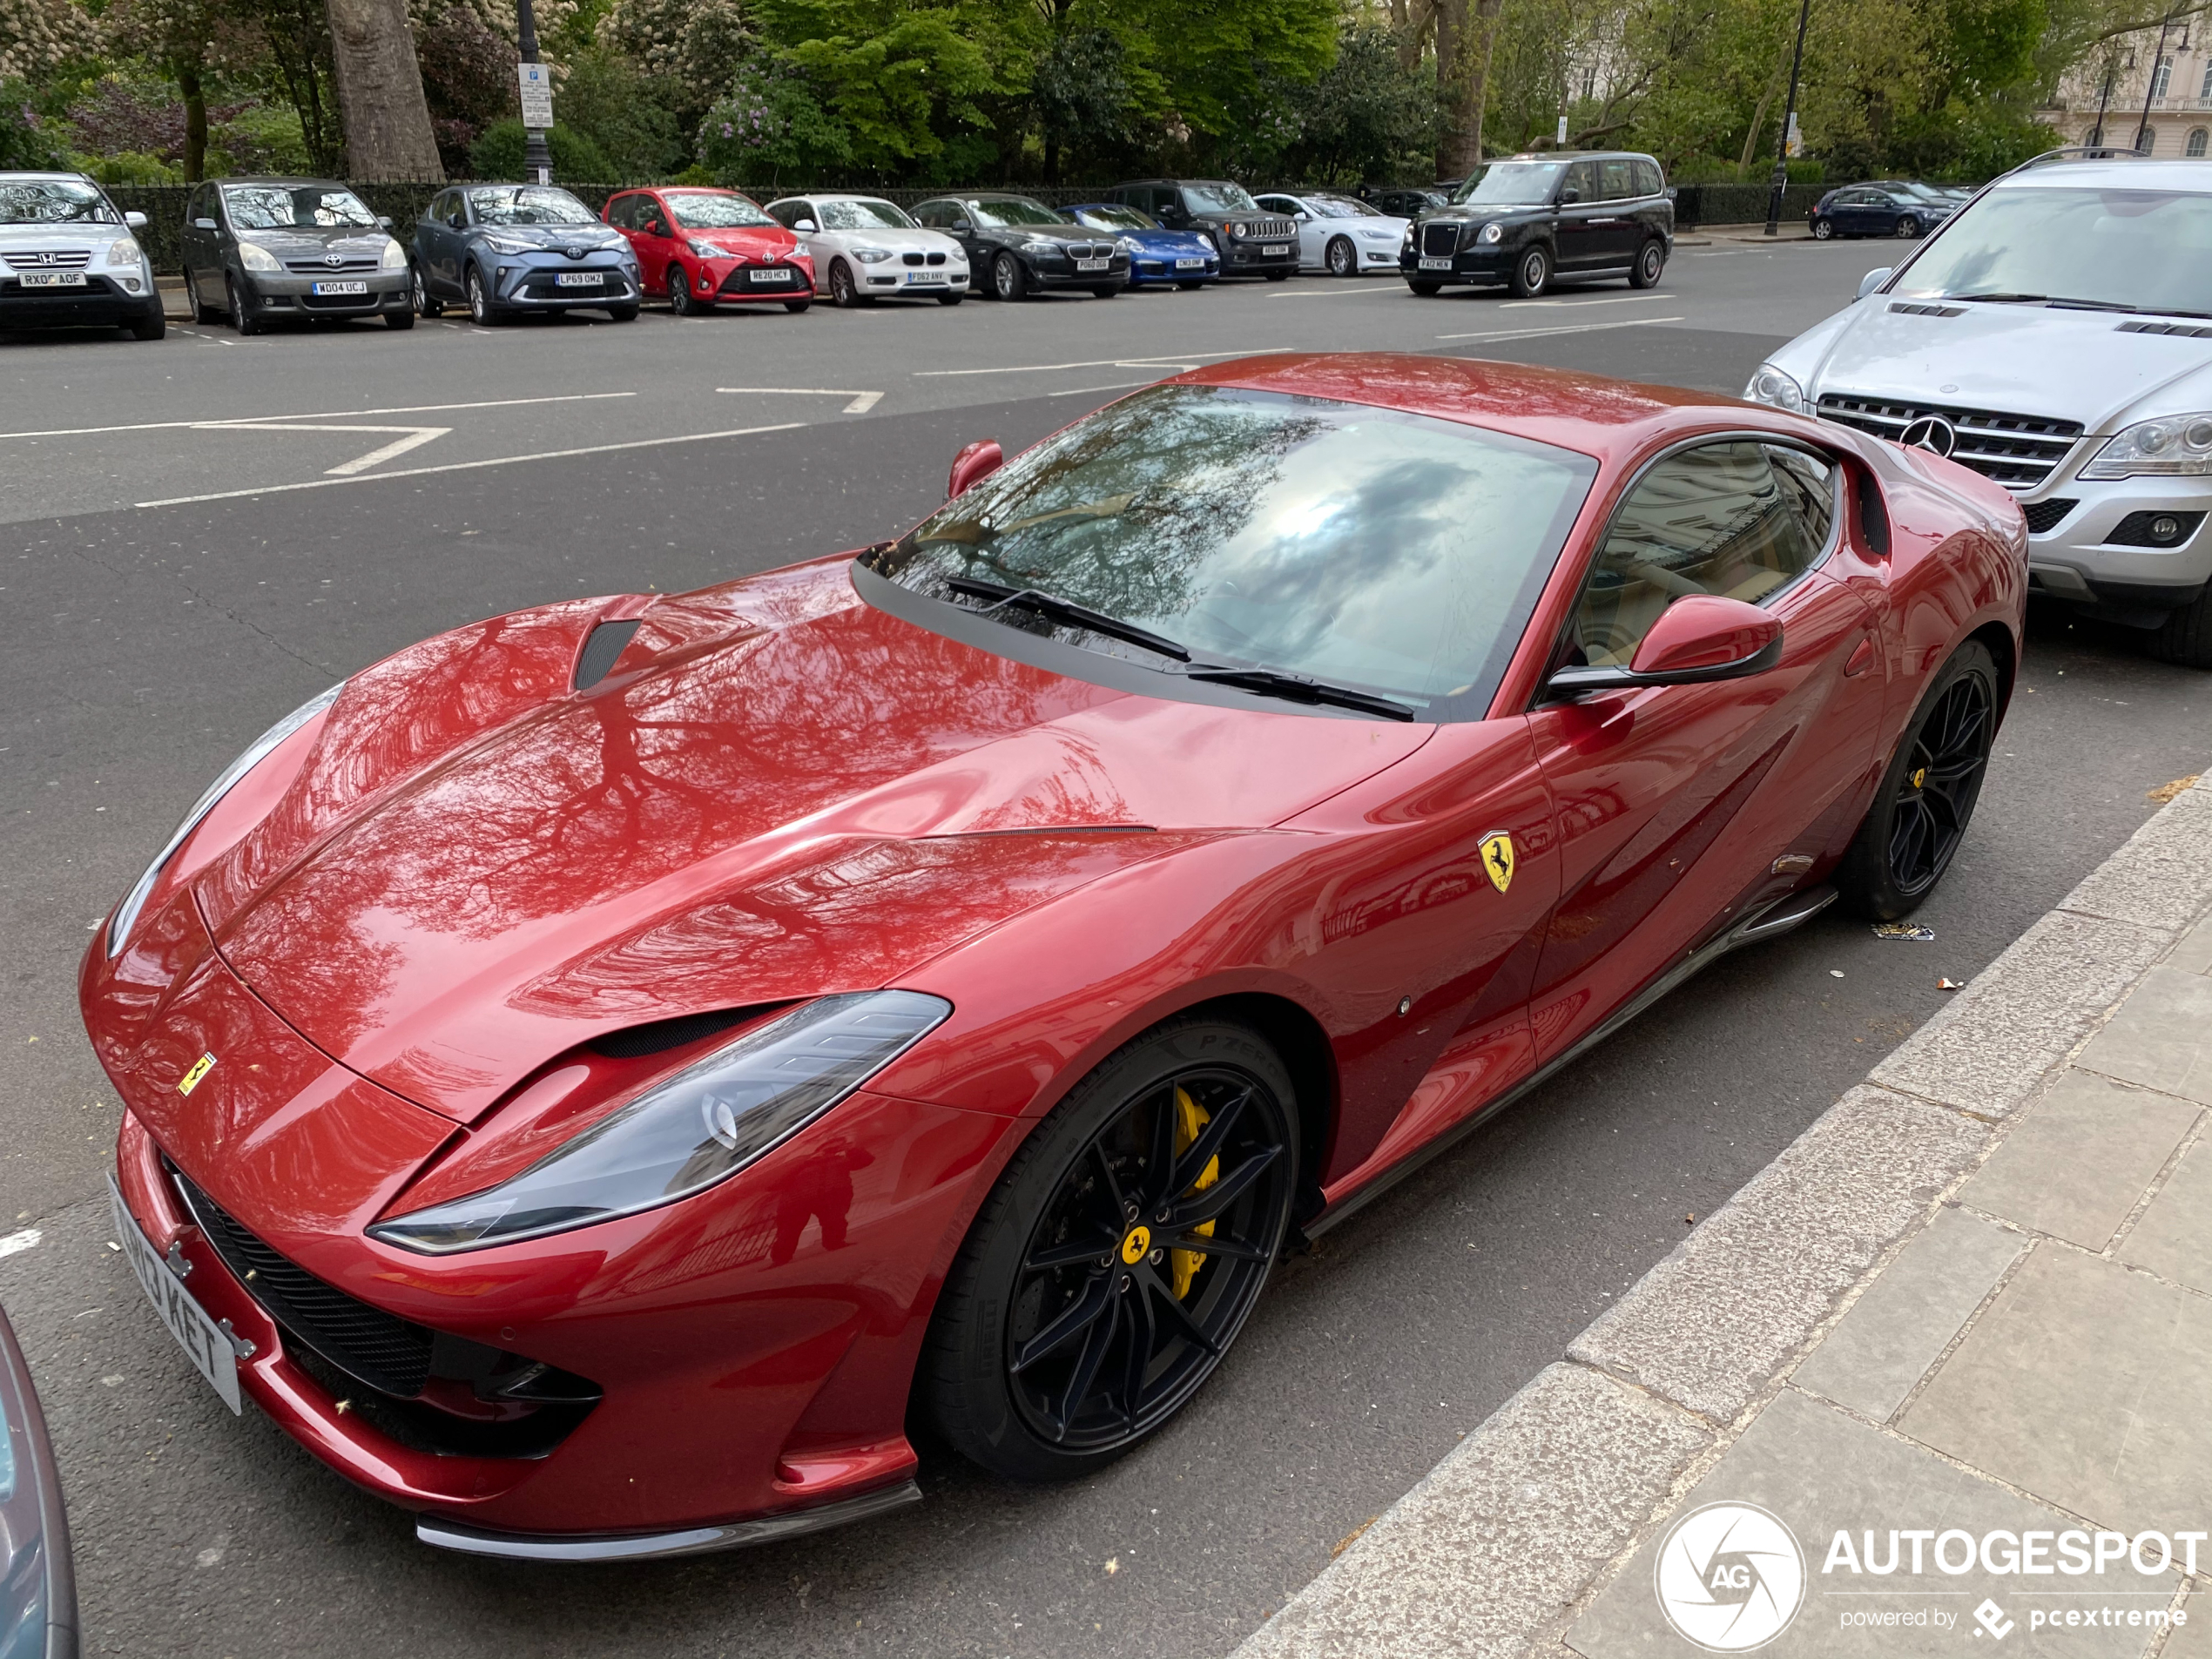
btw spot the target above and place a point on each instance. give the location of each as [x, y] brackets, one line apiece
[2046, 515]
[381, 1349]
[638, 1041]
[601, 647]
[1439, 240]
[2154, 528]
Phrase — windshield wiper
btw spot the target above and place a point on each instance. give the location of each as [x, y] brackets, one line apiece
[1297, 687]
[1052, 606]
[2057, 302]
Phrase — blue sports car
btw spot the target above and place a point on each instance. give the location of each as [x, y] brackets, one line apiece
[1156, 255]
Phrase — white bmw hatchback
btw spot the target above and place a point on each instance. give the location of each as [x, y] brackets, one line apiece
[867, 249]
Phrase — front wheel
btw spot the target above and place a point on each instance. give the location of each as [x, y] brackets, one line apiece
[1926, 797]
[1822, 230]
[1106, 292]
[1427, 290]
[480, 309]
[795, 306]
[1342, 258]
[244, 318]
[1191, 287]
[424, 305]
[843, 293]
[1117, 1258]
[1008, 280]
[403, 318]
[152, 326]
[622, 314]
[2185, 635]
[1277, 276]
[1532, 274]
[952, 298]
[681, 300]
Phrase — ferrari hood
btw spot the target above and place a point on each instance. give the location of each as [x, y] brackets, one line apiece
[758, 804]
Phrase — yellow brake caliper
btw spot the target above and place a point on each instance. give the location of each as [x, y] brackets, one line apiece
[1190, 1119]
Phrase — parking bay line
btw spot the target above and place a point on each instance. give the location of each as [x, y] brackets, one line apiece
[1157, 359]
[324, 415]
[415, 438]
[1567, 328]
[861, 403]
[470, 466]
[1573, 305]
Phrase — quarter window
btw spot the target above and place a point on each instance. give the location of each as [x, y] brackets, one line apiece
[1619, 179]
[1740, 520]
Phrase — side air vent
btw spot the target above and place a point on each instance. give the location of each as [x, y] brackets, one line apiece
[2187, 330]
[600, 650]
[636, 1041]
[1913, 310]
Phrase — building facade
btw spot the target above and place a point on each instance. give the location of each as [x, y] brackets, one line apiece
[2153, 91]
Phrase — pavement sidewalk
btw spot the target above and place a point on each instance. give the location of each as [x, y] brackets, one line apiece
[1955, 1342]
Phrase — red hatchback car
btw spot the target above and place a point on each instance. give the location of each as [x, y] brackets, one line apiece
[699, 247]
[603, 1067]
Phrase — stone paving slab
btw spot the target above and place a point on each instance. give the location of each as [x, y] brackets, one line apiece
[2194, 953]
[2162, 1038]
[2087, 1384]
[2162, 878]
[2174, 1238]
[1908, 1316]
[2081, 1157]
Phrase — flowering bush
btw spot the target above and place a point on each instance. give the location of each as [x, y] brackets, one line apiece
[692, 47]
[769, 124]
[35, 35]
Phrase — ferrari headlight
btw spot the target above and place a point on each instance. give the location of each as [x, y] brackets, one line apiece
[126, 914]
[871, 255]
[394, 256]
[1771, 387]
[700, 1127]
[1493, 232]
[254, 257]
[2175, 446]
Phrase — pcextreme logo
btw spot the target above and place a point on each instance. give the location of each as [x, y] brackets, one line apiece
[1729, 1577]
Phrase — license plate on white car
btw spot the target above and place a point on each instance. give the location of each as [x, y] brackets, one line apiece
[768, 276]
[1436, 264]
[51, 279]
[1275, 250]
[341, 288]
[925, 276]
[1198, 264]
[204, 1342]
[579, 278]
[1092, 265]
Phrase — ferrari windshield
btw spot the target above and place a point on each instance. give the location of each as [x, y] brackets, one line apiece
[864, 214]
[2103, 250]
[53, 201]
[295, 207]
[698, 210]
[1511, 183]
[1014, 210]
[1366, 548]
[527, 204]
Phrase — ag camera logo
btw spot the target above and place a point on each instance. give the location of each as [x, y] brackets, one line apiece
[1729, 1577]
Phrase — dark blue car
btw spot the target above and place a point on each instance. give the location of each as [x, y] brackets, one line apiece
[502, 250]
[1156, 256]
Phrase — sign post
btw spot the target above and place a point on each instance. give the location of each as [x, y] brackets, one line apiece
[537, 98]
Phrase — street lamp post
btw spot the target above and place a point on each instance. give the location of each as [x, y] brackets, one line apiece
[2150, 83]
[537, 158]
[1789, 120]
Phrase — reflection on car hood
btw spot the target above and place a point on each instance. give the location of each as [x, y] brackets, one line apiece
[781, 792]
[593, 237]
[59, 237]
[336, 239]
[925, 241]
[2082, 366]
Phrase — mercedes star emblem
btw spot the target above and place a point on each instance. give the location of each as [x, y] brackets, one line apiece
[1931, 432]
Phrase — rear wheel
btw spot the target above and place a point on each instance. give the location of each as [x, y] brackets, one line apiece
[201, 311]
[1926, 797]
[1116, 1260]
[1532, 274]
[1650, 266]
[1342, 258]
[1822, 230]
[2185, 635]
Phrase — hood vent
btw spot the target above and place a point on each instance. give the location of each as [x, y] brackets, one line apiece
[1912, 310]
[635, 1042]
[601, 648]
[2187, 330]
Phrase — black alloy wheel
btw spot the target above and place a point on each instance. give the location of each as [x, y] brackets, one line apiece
[1907, 226]
[1342, 258]
[424, 305]
[1532, 274]
[1650, 266]
[1119, 1256]
[1927, 795]
[680, 299]
[1008, 280]
[244, 317]
[1822, 230]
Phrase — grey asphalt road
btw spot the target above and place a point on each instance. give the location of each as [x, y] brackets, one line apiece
[140, 647]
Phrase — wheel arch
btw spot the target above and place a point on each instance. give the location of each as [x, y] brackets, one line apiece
[1295, 1034]
[1998, 638]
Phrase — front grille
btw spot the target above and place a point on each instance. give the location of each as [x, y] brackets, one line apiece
[2047, 515]
[1090, 250]
[2017, 450]
[740, 280]
[73, 259]
[350, 265]
[1270, 230]
[922, 258]
[368, 1344]
[1440, 241]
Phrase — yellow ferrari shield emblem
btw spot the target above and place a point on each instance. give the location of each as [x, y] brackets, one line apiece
[1498, 858]
[201, 1067]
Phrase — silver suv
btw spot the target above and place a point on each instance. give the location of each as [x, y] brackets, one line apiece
[69, 260]
[2055, 335]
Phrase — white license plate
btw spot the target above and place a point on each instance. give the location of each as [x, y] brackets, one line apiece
[1092, 265]
[579, 278]
[1198, 264]
[1276, 251]
[925, 276]
[341, 288]
[767, 276]
[51, 279]
[1436, 264]
[204, 1342]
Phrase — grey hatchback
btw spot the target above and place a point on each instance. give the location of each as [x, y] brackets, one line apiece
[256, 249]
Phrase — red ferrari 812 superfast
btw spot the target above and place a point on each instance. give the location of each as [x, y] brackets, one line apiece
[607, 1069]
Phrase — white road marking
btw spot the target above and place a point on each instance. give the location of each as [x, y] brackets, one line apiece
[1110, 386]
[1567, 328]
[415, 438]
[1340, 294]
[1611, 300]
[1169, 359]
[323, 414]
[470, 466]
[861, 403]
[24, 1240]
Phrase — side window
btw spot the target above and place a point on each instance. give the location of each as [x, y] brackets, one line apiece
[619, 211]
[1619, 178]
[1581, 178]
[1740, 520]
[457, 211]
[1649, 183]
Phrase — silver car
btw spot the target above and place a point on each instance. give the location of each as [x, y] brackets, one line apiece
[37, 1586]
[2055, 335]
[260, 249]
[68, 260]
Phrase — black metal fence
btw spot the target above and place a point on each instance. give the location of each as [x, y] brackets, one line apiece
[1697, 204]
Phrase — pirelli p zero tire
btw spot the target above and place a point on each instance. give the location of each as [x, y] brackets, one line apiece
[1532, 273]
[1927, 794]
[2185, 635]
[1118, 1258]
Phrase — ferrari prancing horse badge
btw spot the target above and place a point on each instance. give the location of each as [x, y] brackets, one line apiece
[1498, 858]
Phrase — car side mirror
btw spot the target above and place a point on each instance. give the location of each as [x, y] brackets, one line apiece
[805, 225]
[1873, 280]
[384, 221]
[203, 223]
[1304, 218]
[1698, 638]
[974, 464]
[134, 221]
[1569, 196]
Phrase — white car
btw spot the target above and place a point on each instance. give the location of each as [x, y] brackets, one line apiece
[1340, 234]
[866, 249]
[69, 260]
[2055, 335]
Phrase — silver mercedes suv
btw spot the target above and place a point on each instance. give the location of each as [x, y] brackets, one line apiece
[2055, 335]
[69, 260]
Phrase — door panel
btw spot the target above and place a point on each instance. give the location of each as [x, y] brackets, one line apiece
[1581, 236]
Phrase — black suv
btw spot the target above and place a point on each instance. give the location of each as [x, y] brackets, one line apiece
[1524, 220]
[1250, 240]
